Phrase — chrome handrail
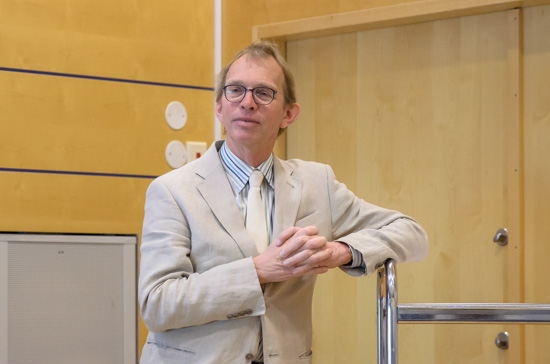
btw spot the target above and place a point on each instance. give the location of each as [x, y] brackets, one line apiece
[390, 313]
[387, 313]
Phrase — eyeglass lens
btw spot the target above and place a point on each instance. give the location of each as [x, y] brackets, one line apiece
[261, 95]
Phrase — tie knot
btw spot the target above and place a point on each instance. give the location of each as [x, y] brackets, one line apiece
[256, 178]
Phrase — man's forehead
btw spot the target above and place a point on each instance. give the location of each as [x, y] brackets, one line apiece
[239, 69]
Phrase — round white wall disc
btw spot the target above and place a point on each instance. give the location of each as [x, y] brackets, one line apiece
[176, 115]
[176, 154]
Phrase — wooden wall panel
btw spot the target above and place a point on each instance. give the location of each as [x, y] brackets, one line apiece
[72, 203]
[73, 124]
[383, 17]
[143, 40]
[239, 16]
[537, 173]
[52, 121]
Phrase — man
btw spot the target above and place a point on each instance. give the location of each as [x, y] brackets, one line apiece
[212, 292]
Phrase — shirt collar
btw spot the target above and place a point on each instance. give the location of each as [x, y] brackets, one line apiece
[241, 171]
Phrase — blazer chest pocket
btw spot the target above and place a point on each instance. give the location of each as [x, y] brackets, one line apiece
[313, 219]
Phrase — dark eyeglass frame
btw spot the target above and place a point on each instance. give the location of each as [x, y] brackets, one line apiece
[252, 90]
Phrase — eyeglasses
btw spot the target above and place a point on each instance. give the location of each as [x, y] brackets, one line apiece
[261, 95]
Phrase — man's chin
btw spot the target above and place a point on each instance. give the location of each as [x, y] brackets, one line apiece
[250, 139]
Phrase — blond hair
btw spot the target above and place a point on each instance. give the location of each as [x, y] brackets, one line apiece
[262, 49]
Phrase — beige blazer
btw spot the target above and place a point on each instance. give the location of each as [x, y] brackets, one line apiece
[199, 293]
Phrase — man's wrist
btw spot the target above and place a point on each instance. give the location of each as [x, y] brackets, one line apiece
[346, 253]
[261, 278]
[350, 253]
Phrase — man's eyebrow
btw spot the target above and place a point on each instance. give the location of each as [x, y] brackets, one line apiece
[259, 84]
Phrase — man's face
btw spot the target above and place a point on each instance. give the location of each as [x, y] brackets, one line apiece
[248, 124]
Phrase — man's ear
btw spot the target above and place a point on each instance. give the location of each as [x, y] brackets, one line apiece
[218, 110]
[292, 111]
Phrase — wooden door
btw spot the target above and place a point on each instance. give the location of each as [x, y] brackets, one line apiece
[536, 22]
[421, 118]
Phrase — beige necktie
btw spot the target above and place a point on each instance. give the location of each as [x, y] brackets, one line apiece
[255, 212]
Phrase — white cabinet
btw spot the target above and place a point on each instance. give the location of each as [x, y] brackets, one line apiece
[68, 299]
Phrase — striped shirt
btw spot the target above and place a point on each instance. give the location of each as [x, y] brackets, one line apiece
[238, 173]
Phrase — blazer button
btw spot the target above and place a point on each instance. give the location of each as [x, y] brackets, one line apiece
[230, 316]
[249, 357]
[248, 312]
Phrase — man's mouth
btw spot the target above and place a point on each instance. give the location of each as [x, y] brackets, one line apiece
[246, 120]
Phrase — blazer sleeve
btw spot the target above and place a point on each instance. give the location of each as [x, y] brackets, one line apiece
[171, 292]
[377, 233]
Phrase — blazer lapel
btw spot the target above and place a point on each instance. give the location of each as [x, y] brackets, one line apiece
[217, 192]
[288, 192]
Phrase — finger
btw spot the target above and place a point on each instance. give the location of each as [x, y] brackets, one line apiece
[296, 232]
[293, 245]
[302, 243]
[299, 258]
[315, 243]
[305, 269]
[286, 234]
[308, 230]
[309, 258]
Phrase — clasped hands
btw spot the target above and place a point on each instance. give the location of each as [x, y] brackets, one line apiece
[299, 251]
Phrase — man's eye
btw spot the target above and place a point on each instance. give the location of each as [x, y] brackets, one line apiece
[234, 89]
[263, 92]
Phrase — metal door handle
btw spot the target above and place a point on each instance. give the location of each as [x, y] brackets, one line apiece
[502, 340]
[501, 237]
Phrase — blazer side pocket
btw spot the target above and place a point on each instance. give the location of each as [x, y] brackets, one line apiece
[153, 351]
[306, 354]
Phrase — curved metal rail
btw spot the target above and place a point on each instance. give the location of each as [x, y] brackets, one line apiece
[390, 313]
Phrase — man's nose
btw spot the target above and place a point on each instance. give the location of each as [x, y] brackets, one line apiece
[248, 102]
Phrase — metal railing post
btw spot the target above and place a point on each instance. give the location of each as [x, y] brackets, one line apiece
[387, 314]
[390, 314]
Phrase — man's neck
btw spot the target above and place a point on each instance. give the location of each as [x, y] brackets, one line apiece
[251, 156]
